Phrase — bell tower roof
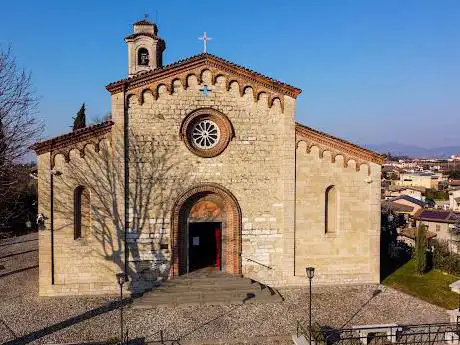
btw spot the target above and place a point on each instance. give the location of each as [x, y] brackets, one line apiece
[145, 26]
[145, 47]
[144, 22]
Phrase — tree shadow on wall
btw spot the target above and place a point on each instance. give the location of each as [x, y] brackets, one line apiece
[155, 180]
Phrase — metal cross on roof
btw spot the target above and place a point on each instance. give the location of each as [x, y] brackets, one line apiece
[205, 38]
[205, 90]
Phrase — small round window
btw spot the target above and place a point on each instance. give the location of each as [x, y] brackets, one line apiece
[206, 132]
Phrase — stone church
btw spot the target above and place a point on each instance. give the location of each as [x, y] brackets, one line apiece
[203, 166]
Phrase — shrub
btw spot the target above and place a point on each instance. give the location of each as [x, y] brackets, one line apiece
[443, 259]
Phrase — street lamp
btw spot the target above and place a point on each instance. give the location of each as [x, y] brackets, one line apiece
[310, 274]
[121, 279]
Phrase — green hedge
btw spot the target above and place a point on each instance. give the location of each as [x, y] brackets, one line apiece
[443, 259]
[437, 194]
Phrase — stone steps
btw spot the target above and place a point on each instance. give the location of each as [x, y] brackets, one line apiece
[210, 284]
[218, 290]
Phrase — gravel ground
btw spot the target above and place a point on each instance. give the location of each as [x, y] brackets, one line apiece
[25, 317]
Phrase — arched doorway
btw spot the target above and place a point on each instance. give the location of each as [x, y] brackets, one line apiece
[206, 230]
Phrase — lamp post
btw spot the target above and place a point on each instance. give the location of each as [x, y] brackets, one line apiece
[310, 274]
[53, 172]
[121, 278]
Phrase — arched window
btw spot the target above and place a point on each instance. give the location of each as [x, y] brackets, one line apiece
[81, 212]
[330, 215]
[143, 57]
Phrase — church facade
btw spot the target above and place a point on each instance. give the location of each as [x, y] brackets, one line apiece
[218, 175]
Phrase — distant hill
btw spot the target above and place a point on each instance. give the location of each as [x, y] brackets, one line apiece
[398, 149]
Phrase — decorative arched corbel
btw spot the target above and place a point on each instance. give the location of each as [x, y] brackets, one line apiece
[272, 101]
[251, 88]
[230, 82]
[203, 71]
[188, 76]
[183, 80]
[297, 144]
[216, 76]
[129, 98]
[173, 84]
[321, 153]
[140, 98]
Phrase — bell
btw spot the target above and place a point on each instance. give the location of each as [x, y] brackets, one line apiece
[144, 59]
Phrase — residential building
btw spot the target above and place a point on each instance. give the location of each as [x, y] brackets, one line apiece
[445, 224]
[416, 204]
[454, 199]
[413, 192]
[408, 236]
[428, 180]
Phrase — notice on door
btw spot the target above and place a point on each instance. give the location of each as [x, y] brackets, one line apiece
[196, 241]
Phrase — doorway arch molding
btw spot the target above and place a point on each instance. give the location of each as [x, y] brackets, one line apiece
[231, 232]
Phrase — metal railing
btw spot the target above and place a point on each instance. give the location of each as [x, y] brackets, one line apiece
[256, 262]
[421, 334]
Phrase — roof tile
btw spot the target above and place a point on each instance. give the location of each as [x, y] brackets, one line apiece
[203, 56]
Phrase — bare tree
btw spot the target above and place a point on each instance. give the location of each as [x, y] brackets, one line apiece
[99, 119]
[19, 128]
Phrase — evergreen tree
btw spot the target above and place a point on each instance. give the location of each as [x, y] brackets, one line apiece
[79, 121]
[420, 249]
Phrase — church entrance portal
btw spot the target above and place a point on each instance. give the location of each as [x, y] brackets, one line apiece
[206, 230]
[204, 245]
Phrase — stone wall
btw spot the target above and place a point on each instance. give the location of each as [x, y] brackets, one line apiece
[86, 265]
[257, 167]
[351, 254]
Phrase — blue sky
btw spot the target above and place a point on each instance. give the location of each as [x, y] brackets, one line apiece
[371, 71]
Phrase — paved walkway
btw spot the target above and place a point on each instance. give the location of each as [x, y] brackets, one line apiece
[24, 317]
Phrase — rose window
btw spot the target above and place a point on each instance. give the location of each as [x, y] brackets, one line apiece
[205, 134]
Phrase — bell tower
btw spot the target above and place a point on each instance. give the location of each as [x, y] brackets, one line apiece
[145, 48]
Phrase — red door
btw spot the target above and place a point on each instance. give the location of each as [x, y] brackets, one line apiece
[217, 234]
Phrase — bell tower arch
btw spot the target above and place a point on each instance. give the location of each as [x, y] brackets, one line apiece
[145, 48]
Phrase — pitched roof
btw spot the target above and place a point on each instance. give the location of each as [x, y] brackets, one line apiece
[400, 188]
[437, 216]
[411, 233]
[338, 143]
[72, 137]
[389, 205]
[149, 34]
[410, 199]
[203, 59]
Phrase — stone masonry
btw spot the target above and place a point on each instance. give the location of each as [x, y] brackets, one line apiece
[277, 171]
